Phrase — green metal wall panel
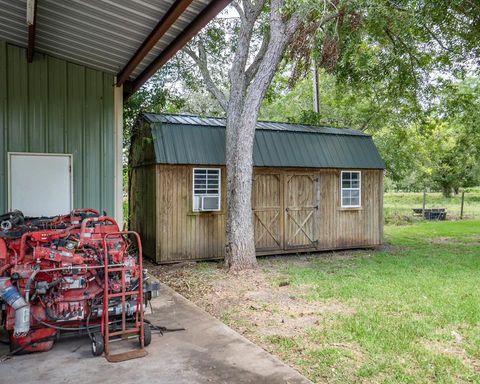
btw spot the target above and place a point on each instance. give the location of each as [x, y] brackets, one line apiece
[37, 108]
[3, 122]
[56, 114]
[108, 138]
[17, 100]
[52, 106]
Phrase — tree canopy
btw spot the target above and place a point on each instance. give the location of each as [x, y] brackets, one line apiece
[404, 71]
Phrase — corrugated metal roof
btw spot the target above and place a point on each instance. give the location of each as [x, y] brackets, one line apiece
[270, 125]
[202, 141]
[102, 34]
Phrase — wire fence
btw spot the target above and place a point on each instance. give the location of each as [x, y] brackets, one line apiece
[399, 206]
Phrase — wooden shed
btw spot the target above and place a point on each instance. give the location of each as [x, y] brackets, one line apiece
[314, 188]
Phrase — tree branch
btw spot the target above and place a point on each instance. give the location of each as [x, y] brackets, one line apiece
[434, 37]
[394, 38]
[268, 63]
[253, 9]
[237, 74]
[253, 68]
[239, 10]
[201, 61]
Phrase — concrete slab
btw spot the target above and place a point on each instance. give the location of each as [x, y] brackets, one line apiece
[206, 352]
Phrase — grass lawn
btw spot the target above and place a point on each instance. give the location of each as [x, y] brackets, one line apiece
[406, 314]
[398, 205]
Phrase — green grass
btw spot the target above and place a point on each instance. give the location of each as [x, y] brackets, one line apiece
[416, 315]
[398, 205]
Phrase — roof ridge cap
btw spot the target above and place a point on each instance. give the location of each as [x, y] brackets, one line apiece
[352, 131]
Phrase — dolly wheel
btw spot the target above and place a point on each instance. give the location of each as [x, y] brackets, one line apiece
[147, 334]
[97, 344]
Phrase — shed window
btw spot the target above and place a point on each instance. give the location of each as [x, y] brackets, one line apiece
[206, 189]
[351, 189]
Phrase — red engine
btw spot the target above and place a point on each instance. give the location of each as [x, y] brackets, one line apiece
[52, 275]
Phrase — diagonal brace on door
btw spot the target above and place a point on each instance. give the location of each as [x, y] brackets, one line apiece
[267, 228]
[300, 227]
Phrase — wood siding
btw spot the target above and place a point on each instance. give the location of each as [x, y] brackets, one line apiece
[294, 210]
[181, 233]
[143, 207]
[350, 227]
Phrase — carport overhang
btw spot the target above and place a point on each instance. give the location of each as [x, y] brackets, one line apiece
[131, 39]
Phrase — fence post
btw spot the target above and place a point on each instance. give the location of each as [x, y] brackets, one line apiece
[461, 207]
[424, 202]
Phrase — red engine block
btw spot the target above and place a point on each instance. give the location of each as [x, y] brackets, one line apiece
[52, 274]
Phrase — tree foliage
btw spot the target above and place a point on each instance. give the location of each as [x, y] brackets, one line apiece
[398, 70]
[405, 71]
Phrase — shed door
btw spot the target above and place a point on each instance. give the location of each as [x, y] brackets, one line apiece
[301, 210]
[40, 184]
[267, 211]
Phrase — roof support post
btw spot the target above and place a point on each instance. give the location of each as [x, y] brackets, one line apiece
[183, 38]
[160, 29]
[31, 23]
[118, 172]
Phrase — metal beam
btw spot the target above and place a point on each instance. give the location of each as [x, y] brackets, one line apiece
[31, 23]
[160, 29]
[180, 41]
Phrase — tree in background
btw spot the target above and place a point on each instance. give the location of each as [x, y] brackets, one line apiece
[389, 69]
[456, 155]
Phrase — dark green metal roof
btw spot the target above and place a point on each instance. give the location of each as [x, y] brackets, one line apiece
[183, 139]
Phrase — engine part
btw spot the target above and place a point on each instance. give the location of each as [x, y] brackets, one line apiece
[10, 220]
[12, 297]
[53, 274]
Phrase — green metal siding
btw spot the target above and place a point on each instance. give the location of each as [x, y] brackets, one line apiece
[202, 144]
[53, 106]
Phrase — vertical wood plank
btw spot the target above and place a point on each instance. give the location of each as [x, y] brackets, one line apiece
[184, 235]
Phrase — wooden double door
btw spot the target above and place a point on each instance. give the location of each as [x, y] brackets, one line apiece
[285, 210]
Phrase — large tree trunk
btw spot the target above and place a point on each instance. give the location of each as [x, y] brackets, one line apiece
[248, 86]
[240, 244]
[242, 114]
[446, 191]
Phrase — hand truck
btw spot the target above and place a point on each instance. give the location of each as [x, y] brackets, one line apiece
[109, 330]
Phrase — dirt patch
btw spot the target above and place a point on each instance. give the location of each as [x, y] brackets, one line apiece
[444, 240]
[267, 308]
[283, 311]
[356, 351]
[470, 240]
[256, 303]
[453, 348]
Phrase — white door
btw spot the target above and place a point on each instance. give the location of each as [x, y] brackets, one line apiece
[40, 184]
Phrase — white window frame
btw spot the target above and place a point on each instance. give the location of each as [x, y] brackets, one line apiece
[359, 189]
[207, 194]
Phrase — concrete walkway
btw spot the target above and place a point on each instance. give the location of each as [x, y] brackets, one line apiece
[207, 352]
